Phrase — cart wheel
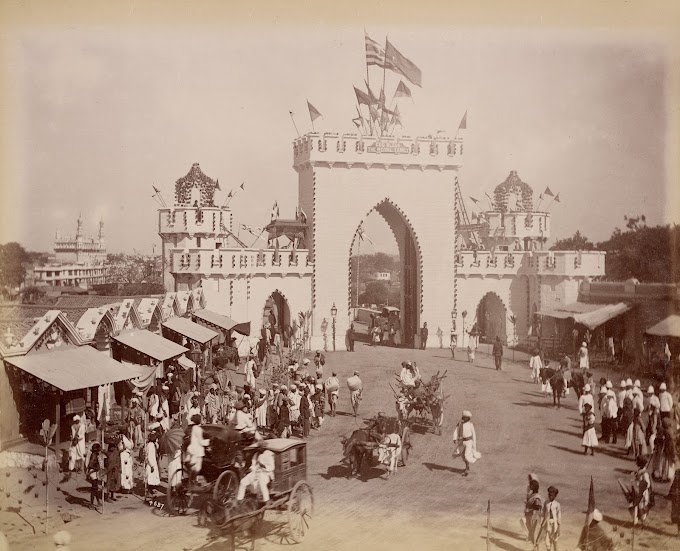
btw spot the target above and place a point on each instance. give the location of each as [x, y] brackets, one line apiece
[178, 499]
[300, 511]
[405, 445]
[225, 487]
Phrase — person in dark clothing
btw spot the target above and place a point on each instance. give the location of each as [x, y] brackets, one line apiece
[350, 338]
[498, 353]
[593, 537]
[113, 472]
[283, 421]
[305, 413]
[423, 336]
[95, 468]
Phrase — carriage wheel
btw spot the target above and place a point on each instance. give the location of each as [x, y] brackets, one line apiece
[178, 498]
[225, 487]
[405, 445]
[300, 511]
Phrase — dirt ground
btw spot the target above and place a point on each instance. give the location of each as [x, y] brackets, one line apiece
[428, 504]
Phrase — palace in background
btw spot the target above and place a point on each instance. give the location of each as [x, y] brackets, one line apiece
[79, 261]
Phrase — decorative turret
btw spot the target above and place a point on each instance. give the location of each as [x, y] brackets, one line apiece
[196, 189]
[514, 195]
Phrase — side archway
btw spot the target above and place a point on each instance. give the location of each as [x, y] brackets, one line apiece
[492, 317]
[276, 315]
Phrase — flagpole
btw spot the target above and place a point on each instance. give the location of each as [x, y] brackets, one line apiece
[540, 199]
[551, 202]
[384, 73]
[295, 125]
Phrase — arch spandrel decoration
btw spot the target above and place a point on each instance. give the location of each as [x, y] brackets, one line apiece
[514, 184]
[387, 203]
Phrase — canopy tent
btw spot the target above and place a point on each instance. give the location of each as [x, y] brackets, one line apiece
[292, 229]
[191, 330]
[146, 376]
[185, 362]
[669, 327]
[74, 368]
[590, 315]
[150, 344]
[223, 322]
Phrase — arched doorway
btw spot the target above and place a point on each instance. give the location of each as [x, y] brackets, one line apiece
[276, 315]
[400, 287]
[492, 318]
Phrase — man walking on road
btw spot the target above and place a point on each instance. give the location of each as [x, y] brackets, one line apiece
[350, 338]
[498, 353]
[423, 336]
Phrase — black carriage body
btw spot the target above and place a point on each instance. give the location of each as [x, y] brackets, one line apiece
[224, 452]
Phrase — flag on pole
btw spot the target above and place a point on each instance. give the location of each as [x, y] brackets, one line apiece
[395, 61]
[374, 53]
[557, 198]
[475, 201]
[156, 189]
[362, 235]
[371, 95]
[374, 112]
[242, 186]
[548, 192]
[313, 111]
[362, 97]
[463, 122]
[591, 498]
[381, 100]
[402, 91]
[357, 122]
[230, 194]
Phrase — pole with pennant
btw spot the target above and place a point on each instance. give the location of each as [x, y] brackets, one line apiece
[295, 125]
[313, 114]
[462, 125]
[589, 512]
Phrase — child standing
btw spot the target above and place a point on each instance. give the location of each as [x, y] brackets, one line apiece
[471, 354]
[589, 434]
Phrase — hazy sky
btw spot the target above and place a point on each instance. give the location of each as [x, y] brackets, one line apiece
[104, 113]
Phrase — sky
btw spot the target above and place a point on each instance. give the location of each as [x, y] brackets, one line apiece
[103, 113]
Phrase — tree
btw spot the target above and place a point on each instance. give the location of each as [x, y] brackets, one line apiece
[379, 293]
[578, 242]
[13, 259]
[649, 254]
[32, 295]
[133, 268]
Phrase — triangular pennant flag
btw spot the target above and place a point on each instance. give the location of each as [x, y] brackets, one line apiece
[474, 200]
[463, 122]
[402, 91]
[548, 192]
[557, 198]
[156, 189]
[362, 97]
[357, 122]
[230, 194]
[374, 100]
[242, 186]
[313, 111]
[381, 100]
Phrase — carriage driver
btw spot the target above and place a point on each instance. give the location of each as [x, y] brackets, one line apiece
[261, 472]
[244, 422]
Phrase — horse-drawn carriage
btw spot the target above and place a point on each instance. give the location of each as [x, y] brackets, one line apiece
[391, 436]
[425, 399]
[226, 462]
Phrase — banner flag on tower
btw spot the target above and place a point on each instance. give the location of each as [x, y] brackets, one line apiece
[374, 53]
[402, 91]
[313, 111]
[548, 192]
[463, 122]
[395, 61]
[362, 97]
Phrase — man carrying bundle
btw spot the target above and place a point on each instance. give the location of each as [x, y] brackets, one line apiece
[355, 387]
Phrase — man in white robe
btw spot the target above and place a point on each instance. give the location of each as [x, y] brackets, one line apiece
[465, 441]
[76, 452]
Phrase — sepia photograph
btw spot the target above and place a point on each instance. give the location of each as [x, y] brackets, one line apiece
[382, 276]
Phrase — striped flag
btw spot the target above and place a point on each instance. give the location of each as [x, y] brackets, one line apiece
[375, 55]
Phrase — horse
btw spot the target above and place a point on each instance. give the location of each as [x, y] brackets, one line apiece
[579, 379]
[355, 449]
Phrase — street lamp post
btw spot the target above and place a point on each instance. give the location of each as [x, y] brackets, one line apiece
[334, 313]
[196, 358]
[324, 328]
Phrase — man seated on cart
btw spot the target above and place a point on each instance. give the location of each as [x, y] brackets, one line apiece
[261, 473]
[243, 422]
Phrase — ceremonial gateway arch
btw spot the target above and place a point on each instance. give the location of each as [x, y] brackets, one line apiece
[408, 181]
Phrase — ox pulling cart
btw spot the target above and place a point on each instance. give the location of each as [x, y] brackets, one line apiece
[390, 436]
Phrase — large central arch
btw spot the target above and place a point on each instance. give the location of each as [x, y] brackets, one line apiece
[410, 264]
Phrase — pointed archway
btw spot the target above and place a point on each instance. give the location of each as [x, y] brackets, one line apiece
[492, 318]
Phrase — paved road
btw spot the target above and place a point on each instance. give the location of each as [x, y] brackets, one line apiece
[427, 505]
